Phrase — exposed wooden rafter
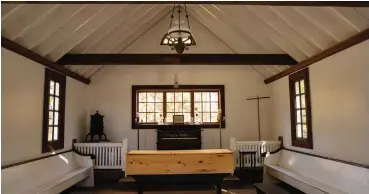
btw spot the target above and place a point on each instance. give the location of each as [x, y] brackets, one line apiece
[362, 36]
[174, 59]
[268, 3]
[10, 45]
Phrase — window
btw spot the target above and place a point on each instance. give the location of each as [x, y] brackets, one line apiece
[200, 103]
[300, 109]
[54, 108]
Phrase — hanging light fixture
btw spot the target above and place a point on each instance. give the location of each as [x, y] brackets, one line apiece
[179, 35]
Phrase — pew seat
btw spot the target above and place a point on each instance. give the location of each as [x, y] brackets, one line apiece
[48, 175]
[312, 174]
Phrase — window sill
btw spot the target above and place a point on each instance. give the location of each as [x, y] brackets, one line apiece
[302, 143]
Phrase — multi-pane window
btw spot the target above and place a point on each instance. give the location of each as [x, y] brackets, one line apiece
[153, 104]
[300, 109]
[206, 106]
[150, 106]
[178, 103]
[54, 105]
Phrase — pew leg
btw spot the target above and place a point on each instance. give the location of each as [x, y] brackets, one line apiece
[139, 186]
[89, 182]
[219, 187]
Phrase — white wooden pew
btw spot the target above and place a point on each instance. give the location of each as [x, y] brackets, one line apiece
[52, 174]
[315, 174]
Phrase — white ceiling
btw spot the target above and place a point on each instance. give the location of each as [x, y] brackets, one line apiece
[53, 30]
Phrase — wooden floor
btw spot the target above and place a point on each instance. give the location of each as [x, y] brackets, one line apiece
[116, 191]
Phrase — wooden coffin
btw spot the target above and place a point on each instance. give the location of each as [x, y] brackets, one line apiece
[156, 162]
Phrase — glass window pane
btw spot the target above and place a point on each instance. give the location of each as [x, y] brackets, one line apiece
[205, 117]
[298, 116]
[170, 107]
[158, 117]
[206, 107]
[214, 107]
[304, 131]
[170, 97]
[56, 118]
[303, 101]
[142, 117]
[214, 117]
[186, 107]
[57, 88]
[302, 86]
[297, 102]
[186, 97]
[56, 133]
[56, 103]
[150, 97]
[197, 96]
[178, 107]
[198, 117]
[142, 97]
[158, 97]
[187, 117]
[150, 117]
[150, 107]
[158, 107]
[297, 88]
[197, 107]
[50, 134]
[178, 96]
[141, 107]
[169, 117]
[298, 131]
[51, 118]
[52, 85]
[51, 103]
[206, 96]
[304, 116]
[214, 96]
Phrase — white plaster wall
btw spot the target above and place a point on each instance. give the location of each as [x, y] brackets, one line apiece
[22, 82]
[110, 93]
[340, 105]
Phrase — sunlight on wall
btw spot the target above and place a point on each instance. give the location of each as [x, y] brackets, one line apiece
[63, 158]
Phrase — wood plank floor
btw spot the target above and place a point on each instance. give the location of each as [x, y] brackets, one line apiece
[117, 191]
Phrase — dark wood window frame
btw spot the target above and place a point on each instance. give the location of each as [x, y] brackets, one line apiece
[204, 88]
[48, 146]
[296, 141]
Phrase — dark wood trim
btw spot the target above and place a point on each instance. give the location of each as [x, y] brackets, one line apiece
[304, 143]
[273, 152]
[329, 158]
[362, 36]
[174, 59]
[61, 79]
[92, 156]
[267, 3]
[15, 47]
[136, 88]
[35, 159]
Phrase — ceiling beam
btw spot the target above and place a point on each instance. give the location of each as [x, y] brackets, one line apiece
[267, 3]
[10, 45]
[174, 59]
[362, 36]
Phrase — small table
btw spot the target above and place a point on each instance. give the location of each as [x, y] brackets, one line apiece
[242, 153]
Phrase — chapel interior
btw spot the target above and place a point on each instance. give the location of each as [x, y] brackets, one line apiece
[175, 97]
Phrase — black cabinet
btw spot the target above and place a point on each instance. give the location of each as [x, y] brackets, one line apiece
[178, 137]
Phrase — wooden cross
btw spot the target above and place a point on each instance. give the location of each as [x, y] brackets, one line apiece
[258, 99]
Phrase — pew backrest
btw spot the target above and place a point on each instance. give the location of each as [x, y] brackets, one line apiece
[26, 176]
[336, 174]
